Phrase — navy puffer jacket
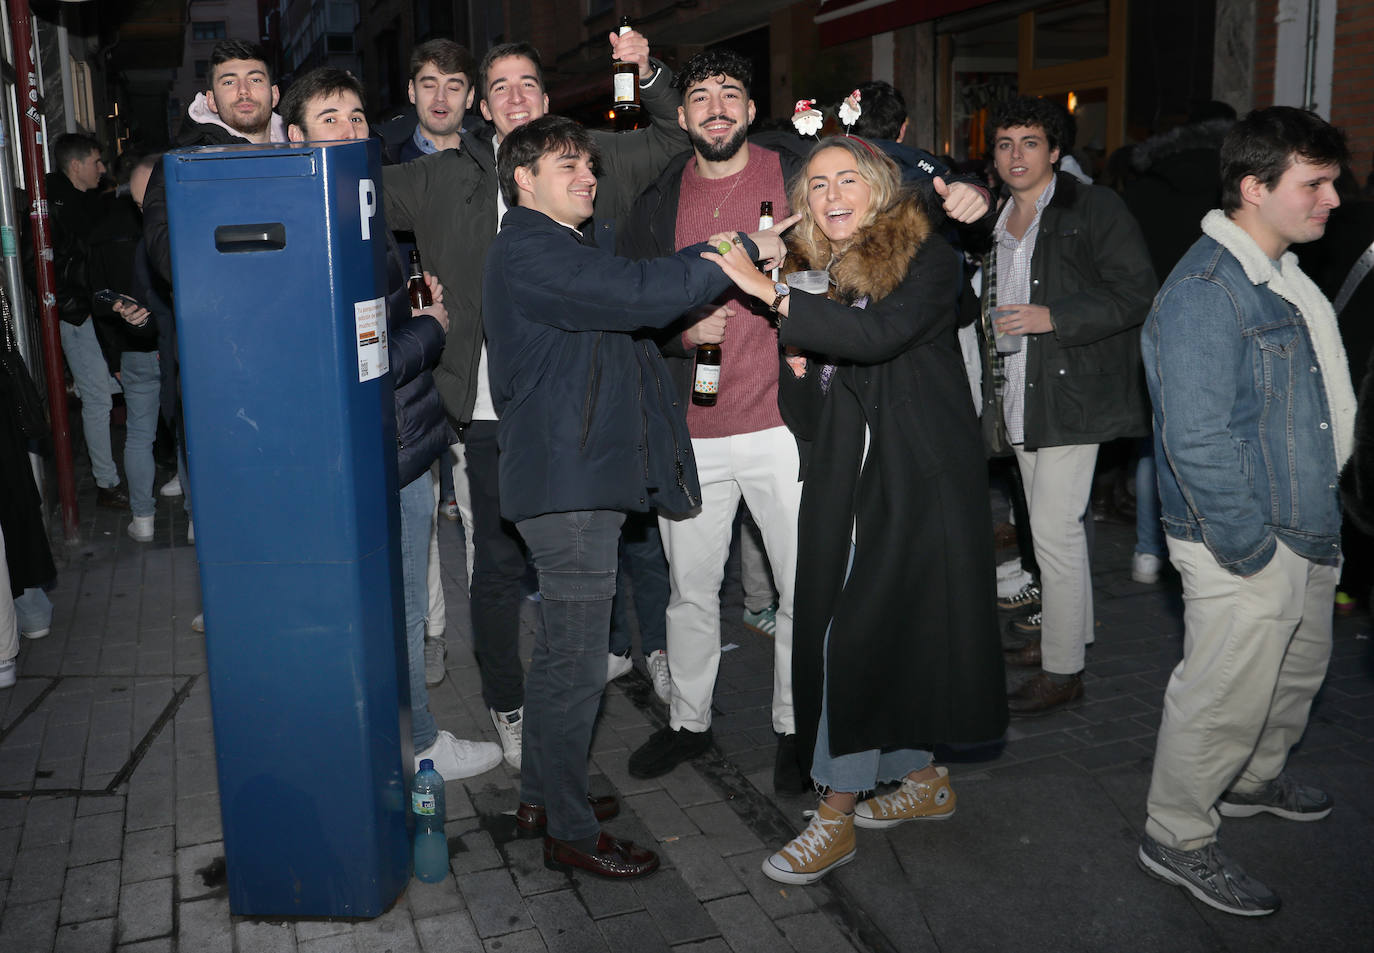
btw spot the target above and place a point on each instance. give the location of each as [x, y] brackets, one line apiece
[415, 343]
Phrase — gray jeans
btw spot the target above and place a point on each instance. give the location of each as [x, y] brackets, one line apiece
[575, 555]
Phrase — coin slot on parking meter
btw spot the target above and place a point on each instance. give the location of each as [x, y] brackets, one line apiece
[236, 239]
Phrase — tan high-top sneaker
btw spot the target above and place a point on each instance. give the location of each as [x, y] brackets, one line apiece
[926, 800]
[827, 842]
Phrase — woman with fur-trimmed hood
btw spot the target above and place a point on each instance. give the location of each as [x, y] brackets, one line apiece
[895, 645]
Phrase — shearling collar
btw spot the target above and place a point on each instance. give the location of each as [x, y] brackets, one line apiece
[876, 263]
[1287, 281]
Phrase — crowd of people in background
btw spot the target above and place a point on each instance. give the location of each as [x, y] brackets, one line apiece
[1010, 320]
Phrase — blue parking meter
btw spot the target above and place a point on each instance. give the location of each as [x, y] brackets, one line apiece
[278, 257]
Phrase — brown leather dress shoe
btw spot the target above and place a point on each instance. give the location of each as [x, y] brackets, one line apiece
[1023, 656]
[1038, 695]
[615, 858]
[112, 497]
[531, 817]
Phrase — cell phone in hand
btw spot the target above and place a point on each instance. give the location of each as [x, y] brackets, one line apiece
[110, 298]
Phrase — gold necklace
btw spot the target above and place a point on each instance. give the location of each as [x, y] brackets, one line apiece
[716, 213]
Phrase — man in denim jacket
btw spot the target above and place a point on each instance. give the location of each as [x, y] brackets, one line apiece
[1254, 416]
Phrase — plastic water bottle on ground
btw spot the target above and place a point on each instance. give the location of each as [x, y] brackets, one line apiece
[427, 804]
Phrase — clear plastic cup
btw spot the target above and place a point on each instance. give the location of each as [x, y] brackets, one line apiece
[1005, 343]
[812, 282]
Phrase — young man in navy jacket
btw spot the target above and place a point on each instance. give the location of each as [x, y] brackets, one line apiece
[591, 428]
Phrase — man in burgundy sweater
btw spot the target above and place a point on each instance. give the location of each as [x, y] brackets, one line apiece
[743, 450]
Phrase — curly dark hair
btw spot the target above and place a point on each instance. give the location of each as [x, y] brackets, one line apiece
[1029, 111]
[1265, 142]
[714, 62]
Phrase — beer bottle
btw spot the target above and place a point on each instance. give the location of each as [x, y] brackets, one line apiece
[625, 81]
[420, 296]
[706, 384]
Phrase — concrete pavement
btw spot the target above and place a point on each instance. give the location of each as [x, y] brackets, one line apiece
[110, 830]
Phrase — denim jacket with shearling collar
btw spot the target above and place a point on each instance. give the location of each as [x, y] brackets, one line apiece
[1253, 407]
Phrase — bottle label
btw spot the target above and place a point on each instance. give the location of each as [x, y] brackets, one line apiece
[625, 86]
[708, 379]
[765, 221]
[422, 803]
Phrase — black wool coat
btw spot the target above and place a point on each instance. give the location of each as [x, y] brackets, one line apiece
[914, 653]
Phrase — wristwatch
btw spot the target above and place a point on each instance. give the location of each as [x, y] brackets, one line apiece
[782, 291]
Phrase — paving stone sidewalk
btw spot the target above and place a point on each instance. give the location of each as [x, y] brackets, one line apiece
[110, 829]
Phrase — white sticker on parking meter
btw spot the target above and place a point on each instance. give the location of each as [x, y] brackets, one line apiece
[369, 317]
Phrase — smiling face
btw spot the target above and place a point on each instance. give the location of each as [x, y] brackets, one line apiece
[334, 116]
[561, 185]
[243, 98]
[838, 197]
[1294, 211]
[1024, 159]
[441, 100]
[716, 114]
[514, 95]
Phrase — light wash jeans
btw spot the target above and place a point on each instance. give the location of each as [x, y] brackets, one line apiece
[1149, 532]
[141, 376]
[417, 516]
[862, 770]
[94, 385]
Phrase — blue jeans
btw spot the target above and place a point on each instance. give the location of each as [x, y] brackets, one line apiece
[862, 770]
[94, 385]
[417, 517]
[34, 610]
[1149, 532]
[642, 560]
[575, 555]
[141, 376]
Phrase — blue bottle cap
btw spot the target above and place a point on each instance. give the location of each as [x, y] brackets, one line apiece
[426, 765]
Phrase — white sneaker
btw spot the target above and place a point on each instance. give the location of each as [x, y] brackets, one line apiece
[198, 623]
[435, 650]
[141, 529]
[509, 727]
[190, 530]
[661, 676]
[1008, 586]
[7, 676]
[457, 758]
[1145, 568]
[37, 633]
[1008, 569]
[172, 487]
[616, 666]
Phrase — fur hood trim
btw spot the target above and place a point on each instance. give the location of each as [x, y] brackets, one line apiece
[1289, 283]
[879, 258]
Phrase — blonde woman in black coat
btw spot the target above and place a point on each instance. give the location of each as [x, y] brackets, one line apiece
[896, 644]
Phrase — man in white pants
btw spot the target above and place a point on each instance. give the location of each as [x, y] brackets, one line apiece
[1070, 277]
[1254, 418]
[742, 448]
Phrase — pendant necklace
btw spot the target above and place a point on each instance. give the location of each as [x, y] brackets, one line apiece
[716, 213]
